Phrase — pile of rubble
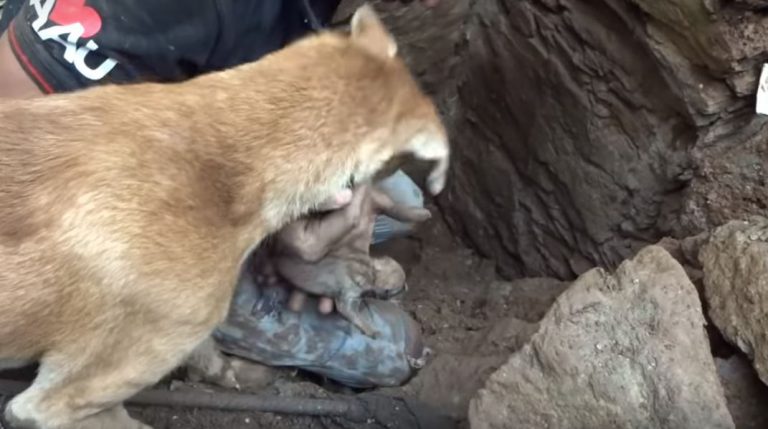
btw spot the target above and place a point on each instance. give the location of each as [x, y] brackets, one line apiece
[630, 349]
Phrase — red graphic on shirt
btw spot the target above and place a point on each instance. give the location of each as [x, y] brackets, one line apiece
[74, 25]
[67, 12]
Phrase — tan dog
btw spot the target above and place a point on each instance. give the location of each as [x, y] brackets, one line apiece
[126, 211]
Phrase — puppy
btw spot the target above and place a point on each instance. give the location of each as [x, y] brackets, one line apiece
[347, 272]
[126, 211]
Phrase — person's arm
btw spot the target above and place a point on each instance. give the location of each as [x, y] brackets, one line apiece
[14, 82]
[349, 227]
[58, 46]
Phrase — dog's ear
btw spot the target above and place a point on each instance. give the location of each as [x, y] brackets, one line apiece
[368, 32]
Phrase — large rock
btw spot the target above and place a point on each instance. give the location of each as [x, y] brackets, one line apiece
[616, 351]
[735, 262]
[585, 129]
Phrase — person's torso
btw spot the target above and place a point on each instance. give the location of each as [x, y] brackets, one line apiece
[161, 40]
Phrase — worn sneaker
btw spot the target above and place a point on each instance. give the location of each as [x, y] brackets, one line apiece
[261, 328]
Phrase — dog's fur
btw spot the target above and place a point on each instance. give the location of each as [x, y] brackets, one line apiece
[126, 211]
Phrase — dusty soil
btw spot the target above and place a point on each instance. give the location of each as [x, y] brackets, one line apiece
[186, 418]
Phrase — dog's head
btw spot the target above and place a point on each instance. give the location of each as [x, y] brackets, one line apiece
[355, 107]
[416, 129]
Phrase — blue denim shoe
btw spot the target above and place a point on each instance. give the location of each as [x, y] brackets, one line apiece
[261, 328]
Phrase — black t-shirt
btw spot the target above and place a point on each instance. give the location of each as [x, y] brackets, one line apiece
[65, 45]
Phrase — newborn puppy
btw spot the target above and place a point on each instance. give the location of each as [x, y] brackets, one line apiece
[347, 273]
[126, 211]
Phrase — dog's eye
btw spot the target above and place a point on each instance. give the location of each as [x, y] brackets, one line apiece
[351, 181]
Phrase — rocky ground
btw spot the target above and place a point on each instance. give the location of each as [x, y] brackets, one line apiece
[614, 349]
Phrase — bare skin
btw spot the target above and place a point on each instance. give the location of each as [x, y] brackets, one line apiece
[14, 83]
[312, 238]
[346, 272]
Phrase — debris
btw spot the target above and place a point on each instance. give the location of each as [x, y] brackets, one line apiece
[626, 350]
[370, 409]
